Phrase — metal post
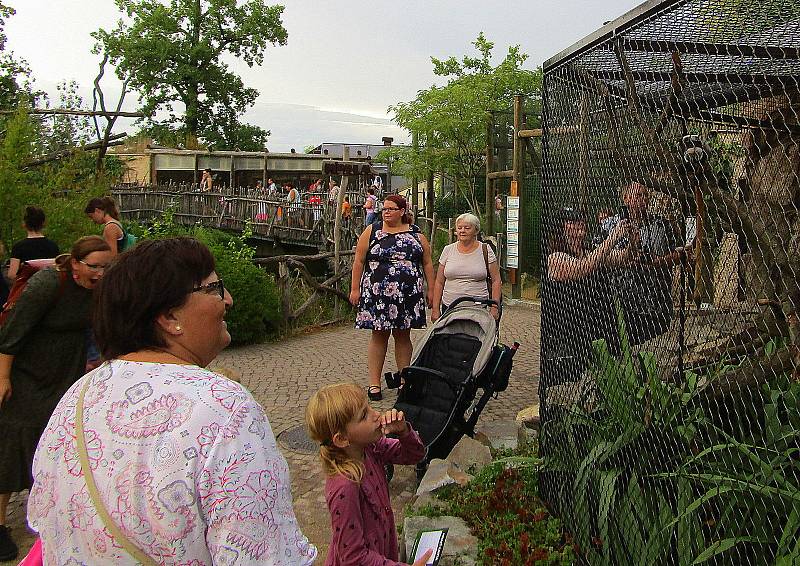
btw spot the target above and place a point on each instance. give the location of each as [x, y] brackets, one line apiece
[489, 196]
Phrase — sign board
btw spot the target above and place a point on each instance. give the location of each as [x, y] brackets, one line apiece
[512, 238]
[512, 227]
[512, 230]
[512, 262]
[512, 250]
[512, 214]
[512, 202]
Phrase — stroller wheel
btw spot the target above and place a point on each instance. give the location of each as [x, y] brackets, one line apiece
[389, 469]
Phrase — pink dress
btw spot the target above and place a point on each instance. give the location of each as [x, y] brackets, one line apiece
[362, 521]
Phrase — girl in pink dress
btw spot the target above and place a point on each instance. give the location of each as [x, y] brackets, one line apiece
[354, 449]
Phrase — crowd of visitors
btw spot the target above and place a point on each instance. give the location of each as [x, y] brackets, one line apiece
[109, 417]
[627, 267]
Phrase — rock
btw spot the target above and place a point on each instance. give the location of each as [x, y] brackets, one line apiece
[460, 547]
[470, 455]
[500, 435]
[529, 417]
[441, 473]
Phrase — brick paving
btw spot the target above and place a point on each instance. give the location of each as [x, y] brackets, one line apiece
[283, 375]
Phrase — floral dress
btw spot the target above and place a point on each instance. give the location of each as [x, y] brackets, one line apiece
[392, 292]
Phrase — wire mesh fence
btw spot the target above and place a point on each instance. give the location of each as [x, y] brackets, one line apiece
[670, 373]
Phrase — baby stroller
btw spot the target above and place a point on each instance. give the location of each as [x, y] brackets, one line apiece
[459, 355]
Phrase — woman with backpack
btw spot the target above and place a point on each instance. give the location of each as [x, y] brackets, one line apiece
[467, 268]
[391, 266]
[104, 211]
[43, 345]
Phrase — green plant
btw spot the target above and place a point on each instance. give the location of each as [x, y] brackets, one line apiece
[503, 510]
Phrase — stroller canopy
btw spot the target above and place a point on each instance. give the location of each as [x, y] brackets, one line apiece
[469, 319]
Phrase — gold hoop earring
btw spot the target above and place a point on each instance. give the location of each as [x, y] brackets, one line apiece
[178, 328]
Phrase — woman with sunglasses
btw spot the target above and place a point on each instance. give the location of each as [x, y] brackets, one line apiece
[173, 463]
[43, 349]
[392, 257]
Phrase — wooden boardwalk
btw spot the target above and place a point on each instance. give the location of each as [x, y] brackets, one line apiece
[270, 219]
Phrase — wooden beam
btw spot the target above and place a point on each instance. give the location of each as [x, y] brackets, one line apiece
[536, 133]
[719, 118]
[113, 140]
[68, 112]
[508, 174]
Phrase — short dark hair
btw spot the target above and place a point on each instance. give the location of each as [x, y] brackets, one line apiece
[34, 218]
[148, 280]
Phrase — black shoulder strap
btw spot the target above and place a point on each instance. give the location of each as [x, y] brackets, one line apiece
[485, 247]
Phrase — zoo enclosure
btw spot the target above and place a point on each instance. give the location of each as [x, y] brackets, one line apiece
[670, 365]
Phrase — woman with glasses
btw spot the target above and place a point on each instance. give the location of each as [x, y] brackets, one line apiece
[392, 257]
[173, 463]
[43, 349]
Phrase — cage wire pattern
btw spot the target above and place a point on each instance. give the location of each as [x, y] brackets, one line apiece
[670, 372]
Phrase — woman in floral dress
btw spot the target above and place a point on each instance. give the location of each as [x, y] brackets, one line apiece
[392, 257]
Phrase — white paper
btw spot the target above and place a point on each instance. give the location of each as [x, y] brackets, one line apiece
[428, 539]
[512, 226]
[512, 202]
[512, 214]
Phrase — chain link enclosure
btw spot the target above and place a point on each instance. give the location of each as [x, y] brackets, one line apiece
[671, 246]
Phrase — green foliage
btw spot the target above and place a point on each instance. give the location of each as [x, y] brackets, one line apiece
[255, 314]
[12, 70]
[502, 508]
[450, 120]
[175, 54]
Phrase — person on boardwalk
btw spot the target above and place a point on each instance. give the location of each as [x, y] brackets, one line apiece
[206, 180]
[184, 463]
[35, 245]
[42, 352]
[354, 449]
[467, 268]
[391, 259]
[369, 206]
[104, 211]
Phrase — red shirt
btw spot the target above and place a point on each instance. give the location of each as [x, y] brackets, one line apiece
[362, 521]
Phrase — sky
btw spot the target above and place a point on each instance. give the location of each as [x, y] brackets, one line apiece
[345, 62]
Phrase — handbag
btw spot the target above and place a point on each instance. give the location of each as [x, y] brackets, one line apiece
[102, 512]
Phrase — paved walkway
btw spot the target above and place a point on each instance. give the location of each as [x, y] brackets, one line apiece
[283, 375]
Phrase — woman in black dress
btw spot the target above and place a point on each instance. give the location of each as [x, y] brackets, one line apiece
[392, 257]
[42, 353]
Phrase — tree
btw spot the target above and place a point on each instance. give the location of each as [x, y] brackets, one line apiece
[450, 120]
[11, 70]
[172, 54]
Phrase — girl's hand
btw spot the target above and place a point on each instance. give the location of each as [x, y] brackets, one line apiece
[394, 422]
[423, 560]
[435, 314]
[354, 297]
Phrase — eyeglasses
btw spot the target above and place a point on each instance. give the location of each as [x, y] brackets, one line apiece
[390, 209]
[215, 287]
[96, 267]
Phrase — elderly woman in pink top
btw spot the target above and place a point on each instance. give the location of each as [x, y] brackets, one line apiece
[467, 268]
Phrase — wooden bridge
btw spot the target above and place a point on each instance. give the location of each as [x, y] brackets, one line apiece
[271, 219]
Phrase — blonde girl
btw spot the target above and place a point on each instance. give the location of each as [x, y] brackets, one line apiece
[354, 449]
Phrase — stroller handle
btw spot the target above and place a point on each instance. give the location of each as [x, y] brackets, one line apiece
[485, 302]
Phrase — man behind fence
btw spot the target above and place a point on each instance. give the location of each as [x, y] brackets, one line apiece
[643, 285]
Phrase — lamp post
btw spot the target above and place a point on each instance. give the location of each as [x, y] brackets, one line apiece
[387, 142]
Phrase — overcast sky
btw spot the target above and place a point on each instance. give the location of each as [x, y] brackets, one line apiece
[345, 61]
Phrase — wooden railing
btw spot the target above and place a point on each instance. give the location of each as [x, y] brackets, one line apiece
[271, 219]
